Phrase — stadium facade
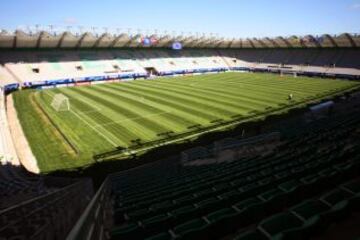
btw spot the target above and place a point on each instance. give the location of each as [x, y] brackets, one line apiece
[44, 59]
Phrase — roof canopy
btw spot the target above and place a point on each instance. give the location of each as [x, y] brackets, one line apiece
[44, 40]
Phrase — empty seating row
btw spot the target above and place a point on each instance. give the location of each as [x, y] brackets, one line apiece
[310, 216]
[215, 200]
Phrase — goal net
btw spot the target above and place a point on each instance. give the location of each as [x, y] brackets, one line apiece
[60, 103]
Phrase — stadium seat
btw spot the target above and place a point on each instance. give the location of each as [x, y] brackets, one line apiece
[231, 197]
[193, 229]
[275, 199]
[251, 210]
[160, 236]
[131, 231]
[339, 200]
[185, 200]
[185, 213]
[353, 186]
[282, 226]
[209, 204]
[251, 235]
[310, 212]
[336, 196]
[157, 223]
[139, 214]
[294, 189]
[223, 221]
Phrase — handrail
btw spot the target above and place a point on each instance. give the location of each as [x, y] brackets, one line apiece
[95, 220]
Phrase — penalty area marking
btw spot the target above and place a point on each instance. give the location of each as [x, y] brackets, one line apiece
[91, 126]
[95, 129]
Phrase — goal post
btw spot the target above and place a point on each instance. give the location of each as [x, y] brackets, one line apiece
[60, 103]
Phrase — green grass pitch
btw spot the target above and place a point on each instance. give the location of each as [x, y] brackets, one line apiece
[104, 116]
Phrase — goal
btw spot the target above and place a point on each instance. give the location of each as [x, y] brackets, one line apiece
[60, 103]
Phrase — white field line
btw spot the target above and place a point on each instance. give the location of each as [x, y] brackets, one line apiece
[94, 128]
[132, 119]
[91, 126]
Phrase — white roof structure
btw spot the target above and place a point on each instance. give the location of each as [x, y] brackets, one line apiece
[67, 39]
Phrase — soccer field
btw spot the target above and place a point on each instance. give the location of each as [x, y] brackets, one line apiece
[105, 116]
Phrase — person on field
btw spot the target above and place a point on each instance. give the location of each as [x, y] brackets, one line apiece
[290, 97]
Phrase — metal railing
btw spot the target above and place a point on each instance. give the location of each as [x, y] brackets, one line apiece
[96, 221]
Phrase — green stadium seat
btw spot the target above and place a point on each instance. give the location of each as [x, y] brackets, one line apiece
[221, 187]
[251, 210]
[282, 176]
[297, 171]
[139, 214]
[338, 199]
[238, 182]
[185, 200]
[209, 204]
[275, 199]
[160, 236]
[248, 203]
[313, 180]
[282, 226]
[354, 203]
[266, 172]
[192, 230]
[267, 183]
[251, 235]
[294, 189]
[353, 186]
[332, 176]
[310, 212]
[250, 190]
[205, 193]
[348, 170]
[223, 221]
[157, 223]
[185, 213]
[163, 206]
[336, 196]
[231, 197]
[130, 231]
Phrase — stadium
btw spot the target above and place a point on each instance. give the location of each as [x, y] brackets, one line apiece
[157, 136]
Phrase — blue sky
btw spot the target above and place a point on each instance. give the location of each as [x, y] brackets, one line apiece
[228, 18]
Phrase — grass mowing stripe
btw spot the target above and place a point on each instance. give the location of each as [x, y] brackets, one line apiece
[142, 109]
[181, 103]
[84, 120]
[170, 117]
[106, 115]
[224, 94]
[145, 129]
[176, 107]
[228, 89]
[215, 106]
[116, 133]
[68, 121]
[139, 105]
